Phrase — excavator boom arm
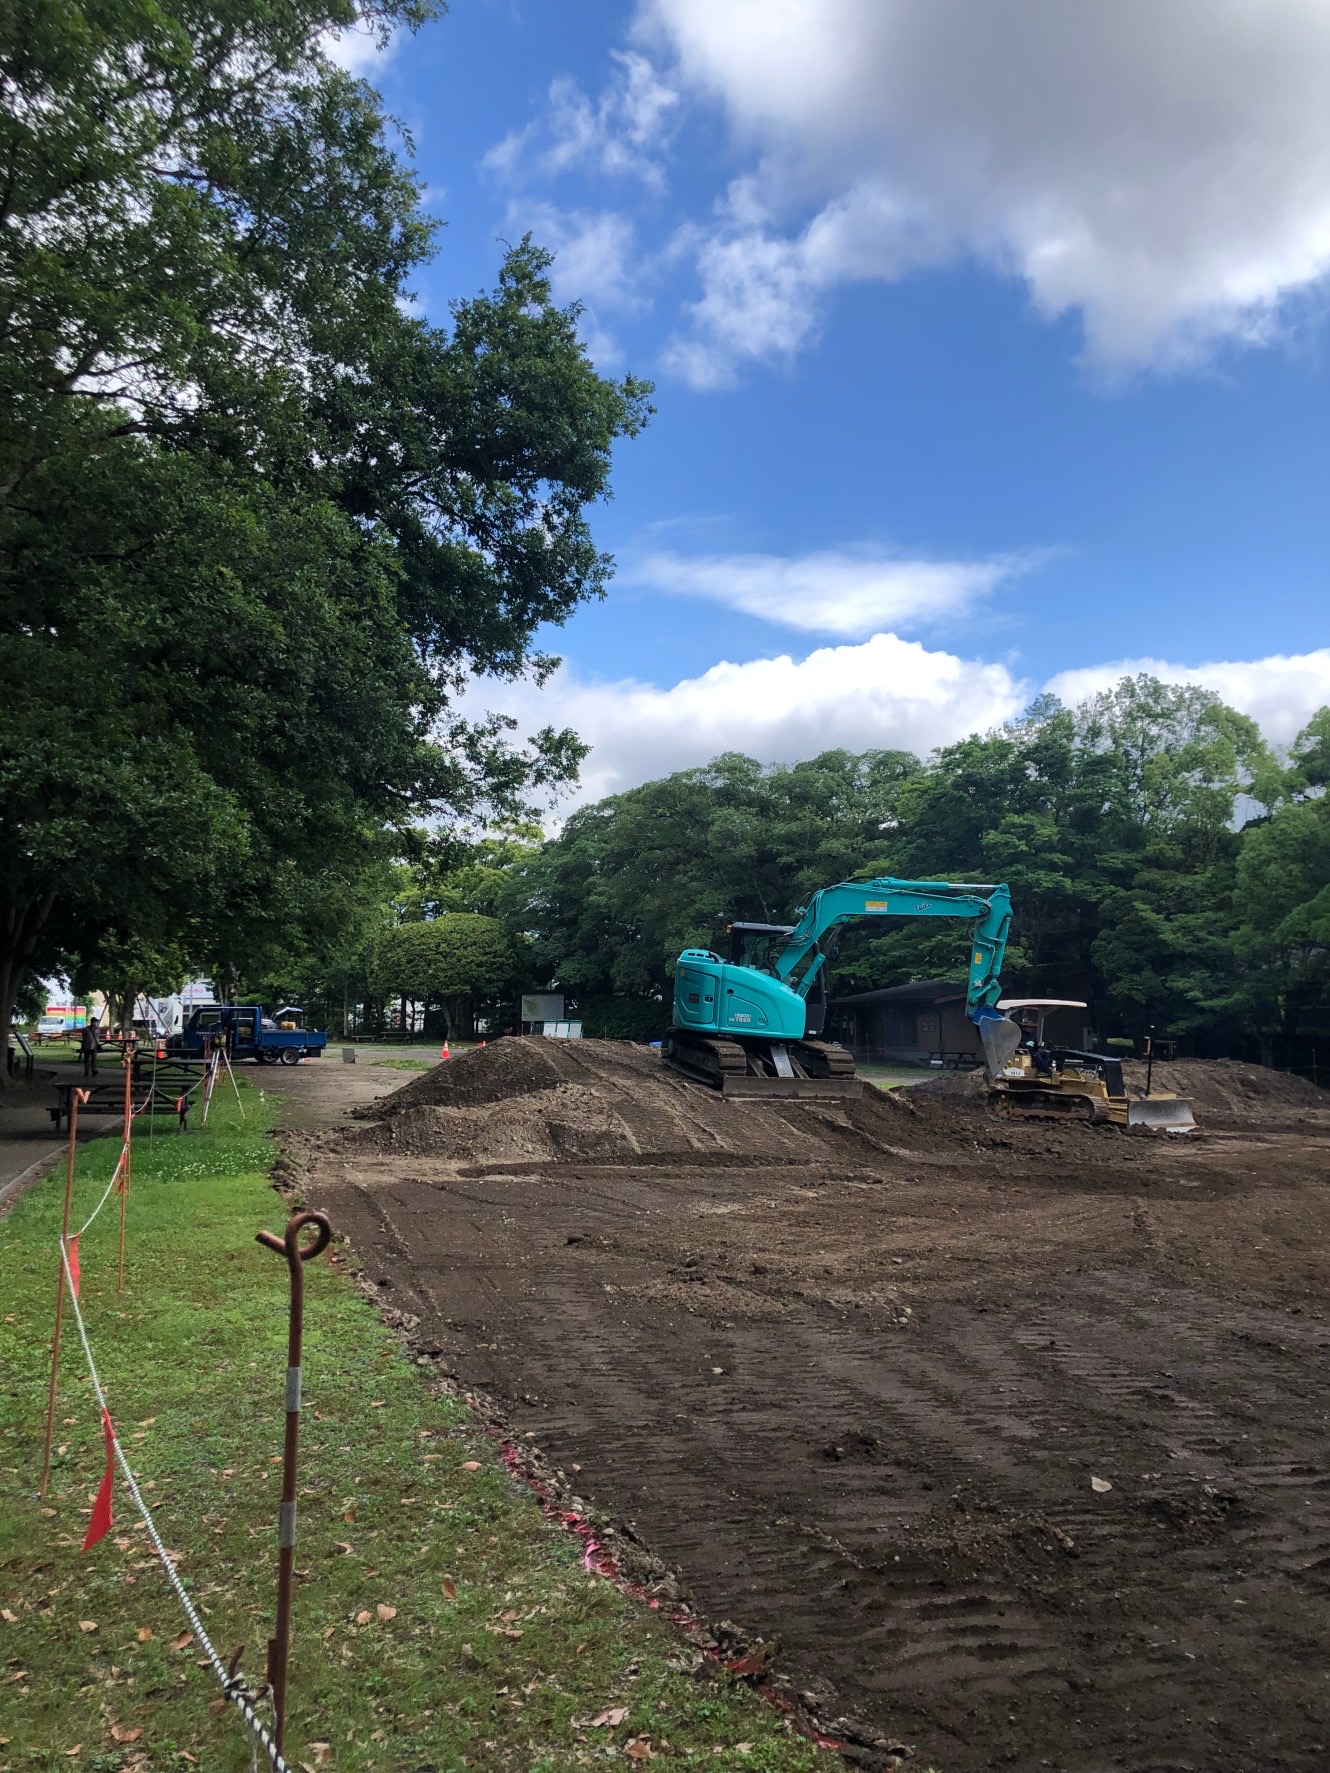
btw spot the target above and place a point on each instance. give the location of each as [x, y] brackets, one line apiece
[988, 906]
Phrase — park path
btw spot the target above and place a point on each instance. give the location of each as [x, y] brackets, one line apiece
[29, 1147]
[315, 1094]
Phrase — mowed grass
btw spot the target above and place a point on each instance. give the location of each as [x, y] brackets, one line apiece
[440, 1620]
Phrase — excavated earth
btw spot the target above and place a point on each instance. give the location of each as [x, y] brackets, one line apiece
[863, 1374]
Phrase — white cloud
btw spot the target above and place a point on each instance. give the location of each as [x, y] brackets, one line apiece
[1160, 168]
[1280, 693]
[361, 49]
[842, 592]
[886, 692]
[621, 134]
[595, 252]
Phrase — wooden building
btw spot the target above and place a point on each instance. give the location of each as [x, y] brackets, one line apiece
[925, 1024]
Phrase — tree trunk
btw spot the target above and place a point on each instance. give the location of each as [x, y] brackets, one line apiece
[9, 978]
[19, 931]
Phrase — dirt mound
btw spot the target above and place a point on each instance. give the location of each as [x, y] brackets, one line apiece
[471, 1080]
[568, 1121]
[1226, 1089]
[534, 1100]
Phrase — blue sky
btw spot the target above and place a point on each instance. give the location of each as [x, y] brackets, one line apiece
[987, 334]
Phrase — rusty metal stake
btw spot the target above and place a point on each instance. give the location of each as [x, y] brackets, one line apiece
[75, 1098]
[279, 1645]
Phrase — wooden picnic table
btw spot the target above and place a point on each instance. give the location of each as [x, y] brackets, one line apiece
[165, 1095]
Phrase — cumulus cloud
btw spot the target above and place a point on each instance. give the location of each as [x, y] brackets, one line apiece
[361, 49]
[1160, 168]
[842, 592]
[885, 692]
[595, 252]
[1280, 693]
[620, 134]
[596, 263]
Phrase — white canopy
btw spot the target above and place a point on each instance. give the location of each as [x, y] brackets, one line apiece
[1040, 1003]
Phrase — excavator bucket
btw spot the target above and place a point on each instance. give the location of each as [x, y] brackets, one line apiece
[1001, 1037]
[1172, 1113]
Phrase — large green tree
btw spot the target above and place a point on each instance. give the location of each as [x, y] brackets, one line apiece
[258, 521]
[1163, 864]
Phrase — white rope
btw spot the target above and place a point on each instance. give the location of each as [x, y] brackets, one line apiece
[232, 1686]
[120, 1164]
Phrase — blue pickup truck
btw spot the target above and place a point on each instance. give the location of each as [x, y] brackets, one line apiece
[248, 1033]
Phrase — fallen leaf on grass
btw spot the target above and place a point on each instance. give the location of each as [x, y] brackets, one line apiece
[76, 1750]
[743, 1748]
[1100, 1486]
[611, 1719]
[217, 1707]
[448, 1585]
[350, 1517]
[471, 1465]
[8, 1617]
[87, 1625]
[320, 1751]
[376, 1403]
[143, 1634]
[363, 1618]
[343, 1547]
[385, 1612]
[122, 1732]
[639, 1751]
[183, 1641]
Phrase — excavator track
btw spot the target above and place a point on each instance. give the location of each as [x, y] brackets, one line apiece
[819, 1058]
[725, 1065]
[706, 1060]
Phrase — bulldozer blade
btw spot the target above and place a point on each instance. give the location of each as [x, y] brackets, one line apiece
[1001, 1037]
[1172, 1113]
[805, 1087]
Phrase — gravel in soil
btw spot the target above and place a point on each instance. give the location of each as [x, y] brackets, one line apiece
[1014, 1436]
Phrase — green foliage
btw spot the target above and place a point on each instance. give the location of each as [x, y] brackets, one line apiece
[265, 520]
[634, 879]
[461, 961]
[1163, 864]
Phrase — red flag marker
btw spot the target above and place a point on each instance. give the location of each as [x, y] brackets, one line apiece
[100, 1524]
[72, 1254]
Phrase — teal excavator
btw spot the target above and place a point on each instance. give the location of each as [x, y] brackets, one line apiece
[750, 1025]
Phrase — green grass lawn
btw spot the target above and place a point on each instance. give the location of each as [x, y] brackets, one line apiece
[440, 1620]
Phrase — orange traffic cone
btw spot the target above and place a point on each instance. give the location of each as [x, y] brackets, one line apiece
[445, 1054]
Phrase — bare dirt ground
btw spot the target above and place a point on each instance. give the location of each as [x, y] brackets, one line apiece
[862, 1373]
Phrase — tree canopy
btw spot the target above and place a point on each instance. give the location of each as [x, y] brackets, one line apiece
[259, 520]
[1164, 864]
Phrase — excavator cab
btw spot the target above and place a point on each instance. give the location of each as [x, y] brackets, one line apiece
[756, 945]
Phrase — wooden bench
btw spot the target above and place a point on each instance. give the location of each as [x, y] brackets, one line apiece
[146, 1097]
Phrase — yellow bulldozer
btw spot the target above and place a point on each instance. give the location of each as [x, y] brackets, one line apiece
[1039, 1080]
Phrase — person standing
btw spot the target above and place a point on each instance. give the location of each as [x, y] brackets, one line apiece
[90, 1044]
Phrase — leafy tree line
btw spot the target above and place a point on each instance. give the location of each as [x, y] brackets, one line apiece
[1164, 865]
[259, 519]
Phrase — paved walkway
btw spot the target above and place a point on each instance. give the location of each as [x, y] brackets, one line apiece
[29, 1145]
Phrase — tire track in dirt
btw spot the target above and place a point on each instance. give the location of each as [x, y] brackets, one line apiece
[858, 1397]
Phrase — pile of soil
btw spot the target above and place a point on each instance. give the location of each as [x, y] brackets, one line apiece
[531, 1100]
[472, 1080]
[1225, 1090]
